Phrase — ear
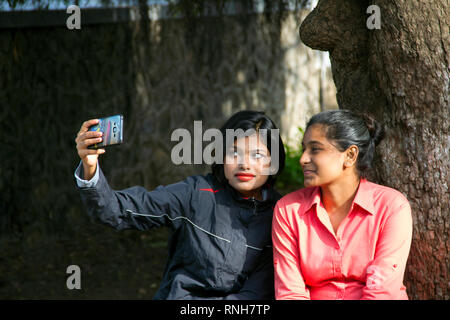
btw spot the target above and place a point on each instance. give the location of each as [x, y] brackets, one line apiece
[351, 155]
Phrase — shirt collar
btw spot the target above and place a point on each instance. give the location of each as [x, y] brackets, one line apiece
[363, 197]
[313, 199]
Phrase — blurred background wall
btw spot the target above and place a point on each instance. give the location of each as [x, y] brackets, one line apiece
[161, 73]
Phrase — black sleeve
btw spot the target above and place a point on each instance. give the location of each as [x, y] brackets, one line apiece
[136, 207]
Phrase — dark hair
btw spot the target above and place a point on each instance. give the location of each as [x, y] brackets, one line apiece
[246, 120]
[345, 128]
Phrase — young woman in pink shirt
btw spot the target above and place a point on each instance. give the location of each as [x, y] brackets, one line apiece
[341, 237]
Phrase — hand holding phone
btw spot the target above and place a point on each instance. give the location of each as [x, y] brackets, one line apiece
[89, 135]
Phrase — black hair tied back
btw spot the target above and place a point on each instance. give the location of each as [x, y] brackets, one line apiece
[376, 131]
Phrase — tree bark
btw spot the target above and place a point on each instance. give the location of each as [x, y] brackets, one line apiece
[400, 75]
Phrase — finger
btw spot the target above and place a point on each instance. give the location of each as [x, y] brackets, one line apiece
[88, 135]
[88, 152]
[87, 124]
[89, 142]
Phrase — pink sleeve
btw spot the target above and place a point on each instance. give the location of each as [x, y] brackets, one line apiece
[385, 273]
[289, 283]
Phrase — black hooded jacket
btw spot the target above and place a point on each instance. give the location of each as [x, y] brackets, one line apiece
[220, 247]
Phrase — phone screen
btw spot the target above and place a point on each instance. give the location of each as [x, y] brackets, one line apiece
[112, 128]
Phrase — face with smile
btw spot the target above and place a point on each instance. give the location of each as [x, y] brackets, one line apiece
[246, 165]
[321, 161]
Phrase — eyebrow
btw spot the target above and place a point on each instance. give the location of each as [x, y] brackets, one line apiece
[313, 142]
[259, 150]
[251, 150]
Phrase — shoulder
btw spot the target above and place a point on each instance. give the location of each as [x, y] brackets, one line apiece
[386, 196]
[391, 207]
[198, 181]
[304, 193]
[297, 202]
[188, 187]
[204, 184]
[387, 202]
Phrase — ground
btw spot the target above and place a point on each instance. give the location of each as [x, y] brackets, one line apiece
[114, 265]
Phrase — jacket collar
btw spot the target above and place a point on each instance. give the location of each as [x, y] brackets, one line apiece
[269, 197]
[364, 197]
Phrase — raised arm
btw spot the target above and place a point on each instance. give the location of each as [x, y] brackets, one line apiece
[129, 208]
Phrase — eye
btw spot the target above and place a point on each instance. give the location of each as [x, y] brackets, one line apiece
[232, 153]
[258, 155]
[315, 150]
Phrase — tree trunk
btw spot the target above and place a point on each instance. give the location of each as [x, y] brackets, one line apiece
[400, 75]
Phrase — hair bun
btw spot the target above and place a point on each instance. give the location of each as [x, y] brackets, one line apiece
[376, 131]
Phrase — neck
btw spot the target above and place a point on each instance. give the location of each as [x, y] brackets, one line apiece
[256, 193]
[338, 195]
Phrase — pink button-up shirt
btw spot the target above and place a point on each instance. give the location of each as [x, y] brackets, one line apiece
[366, 259]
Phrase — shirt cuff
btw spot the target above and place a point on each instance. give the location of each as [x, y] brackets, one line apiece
[86, 183]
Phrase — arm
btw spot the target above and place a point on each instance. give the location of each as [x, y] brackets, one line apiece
[81, 183]
[385, 273]
[136, 207]
[289, 282]
[130, 208]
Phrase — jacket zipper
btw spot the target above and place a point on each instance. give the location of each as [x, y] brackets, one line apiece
[255, 205]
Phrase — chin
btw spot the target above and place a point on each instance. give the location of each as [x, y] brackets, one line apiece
[309, 183]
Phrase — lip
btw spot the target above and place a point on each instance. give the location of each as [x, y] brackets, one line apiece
[307, 172]
[244, 176]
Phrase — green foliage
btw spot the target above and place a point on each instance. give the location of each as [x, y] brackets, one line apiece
[292, 176]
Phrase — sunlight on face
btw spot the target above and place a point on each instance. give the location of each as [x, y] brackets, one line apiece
[246, 165]
[321, 161]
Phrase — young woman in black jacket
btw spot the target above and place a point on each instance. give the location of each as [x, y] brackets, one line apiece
[220, 247]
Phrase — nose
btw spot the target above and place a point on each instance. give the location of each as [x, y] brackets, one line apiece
[244, 162]
[304, 159]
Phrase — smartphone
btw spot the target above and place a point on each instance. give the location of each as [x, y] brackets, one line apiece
[112, 128]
